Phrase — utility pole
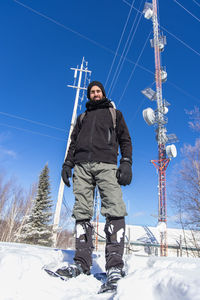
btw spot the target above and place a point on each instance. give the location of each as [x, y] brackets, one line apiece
[82, 69]
[96, 217]
[159, 119]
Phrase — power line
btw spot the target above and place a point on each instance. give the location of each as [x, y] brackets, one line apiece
[127, 19]
[96, 43]
[31, 121]
[105, 48]
[137, 110]
[76, 32]
[123, 57]
[182, 42]
[34, 132]
[184, 92]
[62, 25]
[187, 10]
[174, 36]
[196, 3]
[139, 66]
[134, 67]
[140, 105]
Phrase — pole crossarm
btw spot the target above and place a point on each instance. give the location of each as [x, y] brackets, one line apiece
[77, 87]
[77, 69]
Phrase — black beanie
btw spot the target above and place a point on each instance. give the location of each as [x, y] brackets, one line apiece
[97, 83]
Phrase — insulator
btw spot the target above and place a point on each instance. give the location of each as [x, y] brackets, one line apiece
[75, 73]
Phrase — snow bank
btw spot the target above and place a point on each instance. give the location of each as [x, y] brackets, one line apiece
[154, 278]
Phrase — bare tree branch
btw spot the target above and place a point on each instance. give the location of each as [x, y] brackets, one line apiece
[185, 197]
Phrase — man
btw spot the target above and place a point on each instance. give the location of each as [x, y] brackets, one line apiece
[93, 155]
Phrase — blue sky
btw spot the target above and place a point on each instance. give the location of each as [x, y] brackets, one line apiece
[39, 45]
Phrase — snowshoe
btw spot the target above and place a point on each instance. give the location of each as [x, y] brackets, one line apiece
[113, 276]
[66, 273]
[54, 274]
[107, 288]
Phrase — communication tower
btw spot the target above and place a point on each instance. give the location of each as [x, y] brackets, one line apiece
[158, 118]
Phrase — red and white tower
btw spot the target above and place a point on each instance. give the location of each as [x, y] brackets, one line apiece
[158, 118]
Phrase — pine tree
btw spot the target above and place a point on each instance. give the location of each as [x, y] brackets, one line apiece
[37, 229]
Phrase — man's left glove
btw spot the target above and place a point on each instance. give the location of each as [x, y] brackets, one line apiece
[67, 172]
[124, 172]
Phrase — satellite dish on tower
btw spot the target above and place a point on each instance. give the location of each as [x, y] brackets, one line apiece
[165, 110]
[149, 116]
[171, 151]
[163, 75]
[148, 13]
[148, 10]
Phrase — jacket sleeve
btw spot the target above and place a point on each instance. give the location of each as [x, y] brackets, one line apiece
[69, 160]
[124, 138]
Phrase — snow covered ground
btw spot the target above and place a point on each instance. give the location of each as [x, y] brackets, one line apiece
[152, 278]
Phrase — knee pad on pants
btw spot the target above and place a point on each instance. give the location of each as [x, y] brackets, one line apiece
[84, 233]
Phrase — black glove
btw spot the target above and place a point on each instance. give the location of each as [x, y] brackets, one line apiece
[124, 173]
[66, 173]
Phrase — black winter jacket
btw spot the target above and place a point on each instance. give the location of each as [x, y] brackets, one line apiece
[94, 139]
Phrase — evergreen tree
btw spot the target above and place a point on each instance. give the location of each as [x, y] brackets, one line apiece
[37, 229]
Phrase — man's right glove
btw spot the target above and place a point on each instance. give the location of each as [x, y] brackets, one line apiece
[124, 172]
[67, 172]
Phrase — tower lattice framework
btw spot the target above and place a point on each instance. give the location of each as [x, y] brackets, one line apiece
[157, 117]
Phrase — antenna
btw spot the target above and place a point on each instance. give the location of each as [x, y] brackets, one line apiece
[78, 88]
[158, 118]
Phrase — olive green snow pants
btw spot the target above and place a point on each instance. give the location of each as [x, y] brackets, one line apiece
[85, 178]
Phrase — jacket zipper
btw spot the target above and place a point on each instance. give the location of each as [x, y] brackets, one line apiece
[109, 136]
[91, 138]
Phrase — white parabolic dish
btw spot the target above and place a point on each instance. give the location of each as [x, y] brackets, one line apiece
[149, 116]
[171, 151]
